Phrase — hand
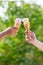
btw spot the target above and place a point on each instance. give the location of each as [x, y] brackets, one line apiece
[12, 31]
[30, 36]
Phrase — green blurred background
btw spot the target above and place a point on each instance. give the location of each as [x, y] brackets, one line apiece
[15, 50]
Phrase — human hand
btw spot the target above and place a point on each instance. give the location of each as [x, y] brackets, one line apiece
[12, 31]
[30, 36]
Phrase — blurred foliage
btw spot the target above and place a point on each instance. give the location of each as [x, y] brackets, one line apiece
[15, 50]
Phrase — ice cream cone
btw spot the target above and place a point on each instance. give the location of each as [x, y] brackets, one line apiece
[17, 22]
[26, 23]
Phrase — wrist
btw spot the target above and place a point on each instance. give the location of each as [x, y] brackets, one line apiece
[2, 35]
[5, 33]
[35, 42]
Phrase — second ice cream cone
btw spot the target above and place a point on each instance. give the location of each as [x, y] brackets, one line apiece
[26, 23]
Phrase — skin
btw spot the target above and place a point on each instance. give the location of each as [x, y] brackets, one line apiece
[31, 38]
[10, 31]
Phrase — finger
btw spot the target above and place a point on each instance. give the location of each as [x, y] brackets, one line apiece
[14, 28]
[15, 31]
[31, 36]
[26, 32]
[13, 34]
[28, 40]
[29, 33]
[28, 37]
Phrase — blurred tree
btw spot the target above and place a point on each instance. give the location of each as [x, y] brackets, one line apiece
[15, 50]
